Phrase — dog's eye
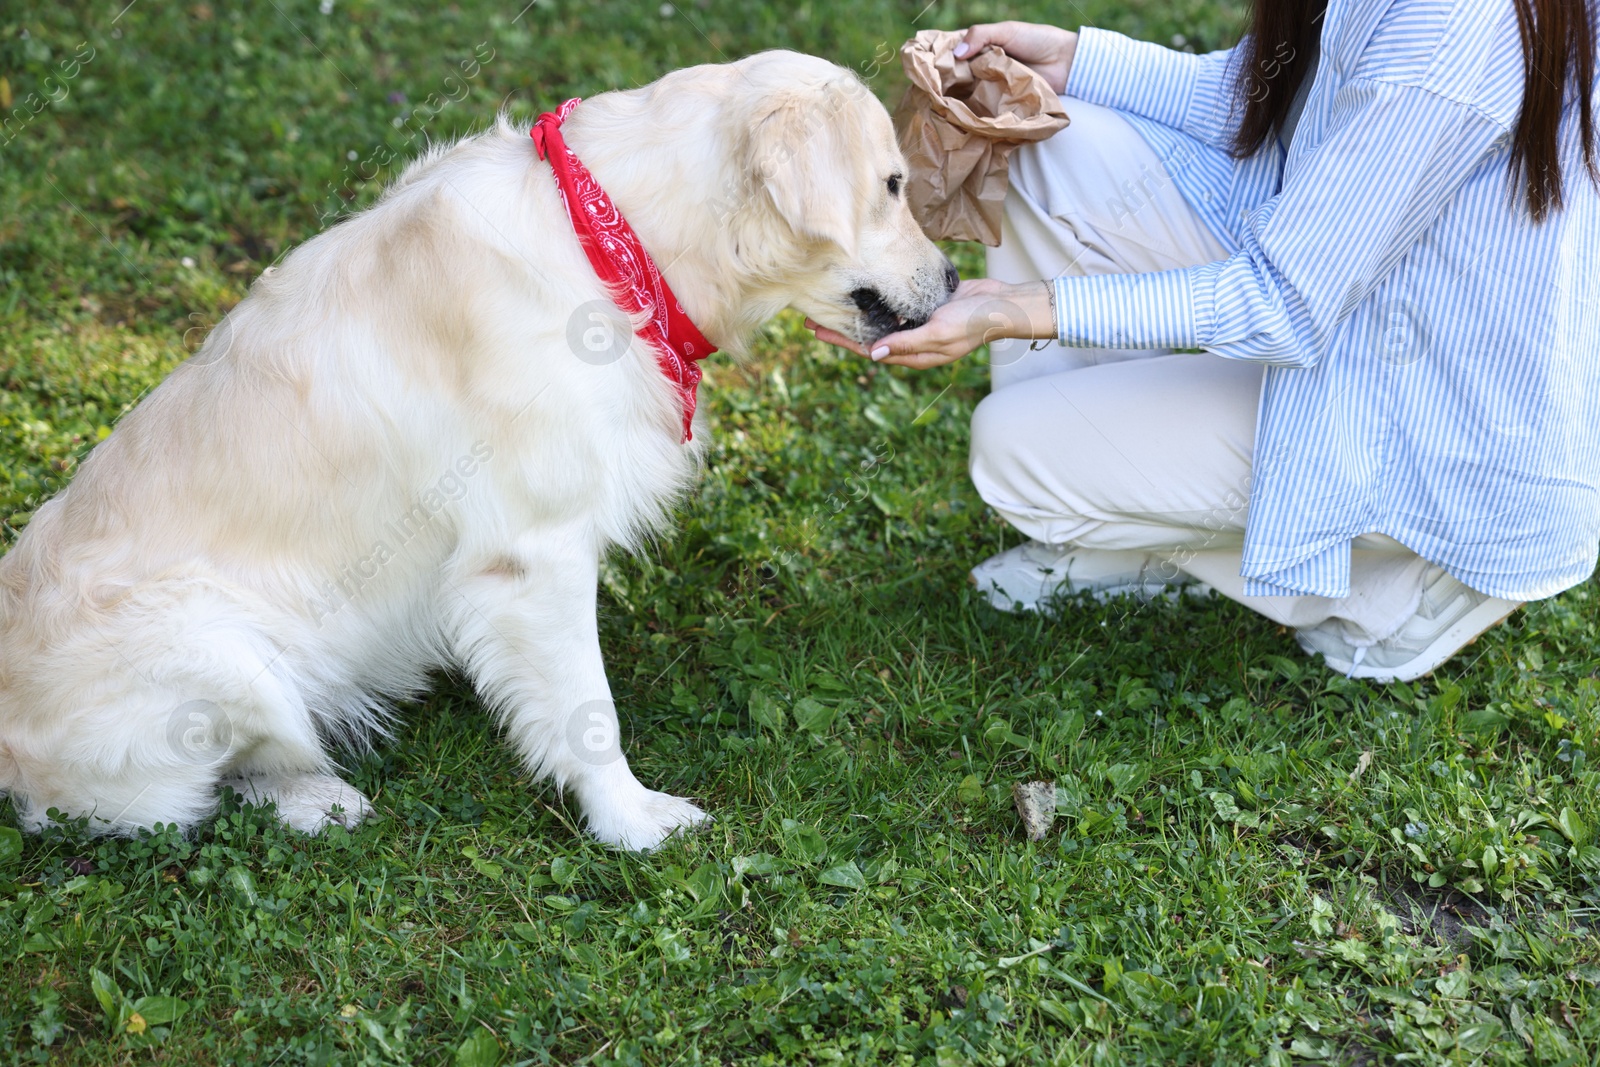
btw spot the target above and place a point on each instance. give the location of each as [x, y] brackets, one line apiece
[894, 185]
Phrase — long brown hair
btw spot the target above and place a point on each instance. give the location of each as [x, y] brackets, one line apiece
[1558, 53]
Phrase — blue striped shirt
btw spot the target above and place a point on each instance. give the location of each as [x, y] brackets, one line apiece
[1433, 356]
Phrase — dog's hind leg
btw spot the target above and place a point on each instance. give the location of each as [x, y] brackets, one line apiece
[523, 625]
[307, 801]
[115, 802]
[145, 755]
[273, 751]
[137, 721]
[290, 769]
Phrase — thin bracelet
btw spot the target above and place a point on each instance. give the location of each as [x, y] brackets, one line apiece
[1050, 291]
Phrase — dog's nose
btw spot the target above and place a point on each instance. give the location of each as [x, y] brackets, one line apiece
[951, 277]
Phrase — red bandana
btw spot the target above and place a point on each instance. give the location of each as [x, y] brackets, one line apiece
[620, 260]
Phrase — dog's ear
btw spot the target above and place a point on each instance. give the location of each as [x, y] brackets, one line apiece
[805, 153]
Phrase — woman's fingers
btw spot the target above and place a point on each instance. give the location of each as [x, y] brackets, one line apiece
[834, 337]
[932, 345]
[978, 38]
[907, 344]
[1047, 49]
[897, 344]
[954, 329]
[920, 360]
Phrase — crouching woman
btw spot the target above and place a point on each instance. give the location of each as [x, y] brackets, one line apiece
[1327, 313]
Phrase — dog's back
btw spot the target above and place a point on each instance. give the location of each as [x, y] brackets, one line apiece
[220, 545]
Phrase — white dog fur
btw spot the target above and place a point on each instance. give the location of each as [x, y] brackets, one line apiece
[388, 459]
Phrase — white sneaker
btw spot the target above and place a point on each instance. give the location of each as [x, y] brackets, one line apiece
[1449, 618]
[1033, 572]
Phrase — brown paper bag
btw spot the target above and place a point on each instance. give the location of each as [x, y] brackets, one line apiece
[958, 123]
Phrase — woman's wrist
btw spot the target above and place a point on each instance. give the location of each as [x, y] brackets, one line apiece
[1036, 306]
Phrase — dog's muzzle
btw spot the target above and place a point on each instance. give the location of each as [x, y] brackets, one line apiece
[880, 318]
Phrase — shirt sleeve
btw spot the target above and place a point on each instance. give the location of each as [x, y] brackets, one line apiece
[1192, 93]
[1390, 159]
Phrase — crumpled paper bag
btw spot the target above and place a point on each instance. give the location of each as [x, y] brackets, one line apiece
[958, 124]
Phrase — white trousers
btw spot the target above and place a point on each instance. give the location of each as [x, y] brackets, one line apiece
[1150, 450]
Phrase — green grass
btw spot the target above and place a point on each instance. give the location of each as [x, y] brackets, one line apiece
[1255, 861]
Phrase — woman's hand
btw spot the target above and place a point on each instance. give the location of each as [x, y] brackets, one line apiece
[981, 310]
[1047, 49]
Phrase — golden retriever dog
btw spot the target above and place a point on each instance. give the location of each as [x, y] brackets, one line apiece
[393, 456]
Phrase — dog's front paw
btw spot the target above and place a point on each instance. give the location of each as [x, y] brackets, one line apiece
[307, 802]
[643, 821]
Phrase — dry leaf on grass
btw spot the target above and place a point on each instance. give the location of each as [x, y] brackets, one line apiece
[1036, 804]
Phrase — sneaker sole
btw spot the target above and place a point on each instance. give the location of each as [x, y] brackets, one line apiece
[1140, 591]
[1471, 626]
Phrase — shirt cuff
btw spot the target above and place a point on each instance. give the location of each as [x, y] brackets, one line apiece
[1154, 310]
